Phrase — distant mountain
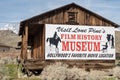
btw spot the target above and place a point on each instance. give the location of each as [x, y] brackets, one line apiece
[9, 38]
[117, 29]
[10, 26]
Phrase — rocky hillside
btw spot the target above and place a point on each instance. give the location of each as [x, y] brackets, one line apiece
[9, 38]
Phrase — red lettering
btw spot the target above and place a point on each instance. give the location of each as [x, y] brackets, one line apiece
[78, 47]
[72, 46]
[65, 46]
[96, 46]
[62, 35]
[89, 46]
[84, 46]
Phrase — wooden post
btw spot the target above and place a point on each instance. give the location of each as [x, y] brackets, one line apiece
[21, 55]
[24, 43]
[43, 43]
[40, 44]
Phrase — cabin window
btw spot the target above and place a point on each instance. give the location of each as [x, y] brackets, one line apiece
[72, 17]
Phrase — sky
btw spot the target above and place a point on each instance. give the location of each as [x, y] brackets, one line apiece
[14, 11]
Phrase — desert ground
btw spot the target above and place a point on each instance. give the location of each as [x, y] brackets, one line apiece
[55, 71]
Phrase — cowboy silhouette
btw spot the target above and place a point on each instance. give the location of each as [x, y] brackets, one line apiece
[112, 40]
[55, 36]
[108, 38]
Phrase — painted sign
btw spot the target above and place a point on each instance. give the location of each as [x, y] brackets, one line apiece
[79, 42]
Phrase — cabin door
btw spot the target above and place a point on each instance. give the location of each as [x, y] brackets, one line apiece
[38, 44]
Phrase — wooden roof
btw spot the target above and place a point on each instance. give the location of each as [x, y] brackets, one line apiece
[23, 23]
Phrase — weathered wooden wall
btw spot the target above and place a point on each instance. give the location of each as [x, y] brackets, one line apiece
[61, 17]
[38, 44]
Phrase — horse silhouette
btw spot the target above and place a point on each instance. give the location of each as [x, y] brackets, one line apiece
[54, 41]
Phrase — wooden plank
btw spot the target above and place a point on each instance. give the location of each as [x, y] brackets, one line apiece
[35, 45]
[21, 55]
[40, 47]
[25, 42]
[43, 43]
[23, 45]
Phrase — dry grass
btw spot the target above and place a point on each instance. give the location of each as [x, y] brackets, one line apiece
[116, 72]
[28, 78]
[60, 71]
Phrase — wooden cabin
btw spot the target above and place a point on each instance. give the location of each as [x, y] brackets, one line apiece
[32, 31]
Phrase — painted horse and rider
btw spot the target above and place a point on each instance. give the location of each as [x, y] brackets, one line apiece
[54, 40]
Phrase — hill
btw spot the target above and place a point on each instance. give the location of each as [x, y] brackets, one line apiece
[9, 38]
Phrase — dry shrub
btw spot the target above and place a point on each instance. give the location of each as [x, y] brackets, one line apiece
[116, 71]
[57, 71]
[60, 71]
[96, 75]
[76, 74]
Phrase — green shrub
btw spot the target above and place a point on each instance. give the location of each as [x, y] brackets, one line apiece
[12, 71]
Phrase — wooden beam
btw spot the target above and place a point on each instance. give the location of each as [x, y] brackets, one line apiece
[43, 43]
[21, 55]
[24, 43]
[26, 32]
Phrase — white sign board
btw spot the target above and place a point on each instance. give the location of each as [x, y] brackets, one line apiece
[79, 42]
